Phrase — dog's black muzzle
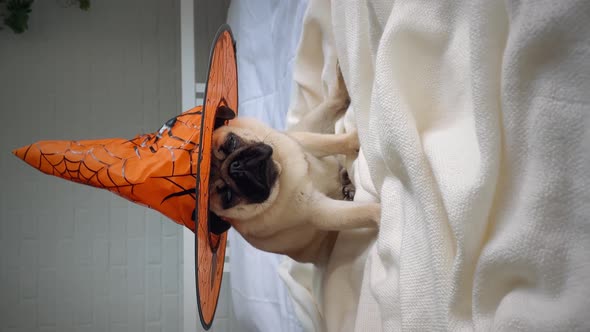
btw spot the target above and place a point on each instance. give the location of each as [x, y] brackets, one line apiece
[254, 172]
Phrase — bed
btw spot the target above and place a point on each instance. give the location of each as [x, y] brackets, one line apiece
[473, 121]
[473, 117]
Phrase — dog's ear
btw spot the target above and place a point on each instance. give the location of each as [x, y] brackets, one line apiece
[222, 115]
[225, 113]
[217, 225]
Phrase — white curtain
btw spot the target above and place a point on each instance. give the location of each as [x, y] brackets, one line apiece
[267, 34]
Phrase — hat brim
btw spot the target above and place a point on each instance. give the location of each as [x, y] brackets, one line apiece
[221, 91]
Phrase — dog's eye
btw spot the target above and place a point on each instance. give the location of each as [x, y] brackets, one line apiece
[230, 144]
[228, 196]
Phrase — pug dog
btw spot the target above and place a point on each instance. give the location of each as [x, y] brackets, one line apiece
[287, 192]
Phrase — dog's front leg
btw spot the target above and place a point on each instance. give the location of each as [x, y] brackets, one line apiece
[322, 118]
[321, 145]
[336, 215]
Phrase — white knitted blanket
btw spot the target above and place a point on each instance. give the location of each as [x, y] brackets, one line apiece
[474, 120]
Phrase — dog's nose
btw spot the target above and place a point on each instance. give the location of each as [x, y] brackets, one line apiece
[254, 159]
[235, 167]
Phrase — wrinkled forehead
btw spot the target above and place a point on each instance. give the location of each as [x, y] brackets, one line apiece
[220, 134]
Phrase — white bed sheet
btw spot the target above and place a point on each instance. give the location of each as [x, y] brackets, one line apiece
[267, 34]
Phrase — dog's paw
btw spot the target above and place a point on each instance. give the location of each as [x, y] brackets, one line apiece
[353, 145]
[341, 91]
[376, 214]
[344, 103]
[337, 106]
[338, 97]
[348, 192]
[348, 188]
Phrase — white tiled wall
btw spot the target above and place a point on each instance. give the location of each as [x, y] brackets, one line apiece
[73, 257]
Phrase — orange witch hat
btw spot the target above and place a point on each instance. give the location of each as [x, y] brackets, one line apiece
[167, 170]
[157, 170]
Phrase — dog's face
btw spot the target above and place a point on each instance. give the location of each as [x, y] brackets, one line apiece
[243, 173]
